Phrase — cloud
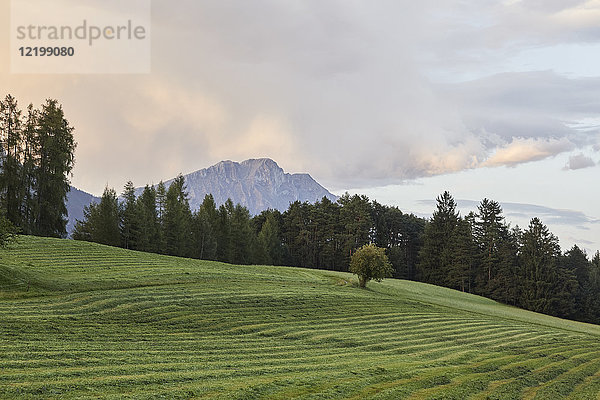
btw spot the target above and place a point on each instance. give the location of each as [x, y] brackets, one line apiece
[550, 215]
[525, 212]
[525, 150]
[339, 89]
[579, 161]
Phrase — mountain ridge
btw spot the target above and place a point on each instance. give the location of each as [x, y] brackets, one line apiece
[257, 184]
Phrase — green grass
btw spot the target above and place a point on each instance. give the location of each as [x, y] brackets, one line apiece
[80, 320]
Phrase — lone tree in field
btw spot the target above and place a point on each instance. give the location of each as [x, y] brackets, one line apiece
[370, 262]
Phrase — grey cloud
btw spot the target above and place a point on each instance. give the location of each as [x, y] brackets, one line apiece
[548, 215]
[579, 161]
[551, 215]
[335, 88]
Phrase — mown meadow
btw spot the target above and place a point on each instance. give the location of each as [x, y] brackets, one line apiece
[81, 320]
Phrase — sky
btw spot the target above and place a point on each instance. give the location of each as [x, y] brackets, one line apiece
[398, 100]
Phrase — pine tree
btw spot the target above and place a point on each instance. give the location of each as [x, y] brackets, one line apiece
[148, 230]
[269, 242]
[355, 216]
[435, 256]
[539, 255]
[462, 248]
[296, 221]
[576, 263]
[205, 225]
[489, 230]
[242, 237]
[129, 218]
[161, 203]
[11, 193]
[29, 170]
[101, 221]
[177, 219]
[224, 241]
[56, 159]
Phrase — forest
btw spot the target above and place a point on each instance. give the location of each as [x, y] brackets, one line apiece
[478, 253]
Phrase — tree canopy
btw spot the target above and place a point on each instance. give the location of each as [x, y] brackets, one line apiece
[370, 263]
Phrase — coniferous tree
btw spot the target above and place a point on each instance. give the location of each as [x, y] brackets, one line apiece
[29, 170]
[539, 255]
[129, 217]
[161, 203]
[593, 301]
[11, 193]
[148, 229]
[355, 217]
[56, 159]
[101, 221]
[269, 242]
[205, 223]
[224, 241]
[576, 262]
[462, 248]
[177, 219]
[504, 286]
[435, 256]
[489, 231]
[329, 225]
[242, 237]
[296, 222]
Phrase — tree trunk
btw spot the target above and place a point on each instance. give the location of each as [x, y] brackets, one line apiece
[362, 282]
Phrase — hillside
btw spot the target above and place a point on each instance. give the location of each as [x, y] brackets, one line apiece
[81, 320]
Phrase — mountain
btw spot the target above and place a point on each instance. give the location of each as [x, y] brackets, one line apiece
[76, 201]
[257, 184]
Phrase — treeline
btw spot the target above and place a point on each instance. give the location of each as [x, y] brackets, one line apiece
[321, 235]
[36, 158]
[479, 253]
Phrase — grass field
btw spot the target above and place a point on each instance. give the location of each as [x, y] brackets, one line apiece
[80, 320]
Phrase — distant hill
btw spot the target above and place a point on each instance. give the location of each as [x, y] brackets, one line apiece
[76, 201]
[257, 184]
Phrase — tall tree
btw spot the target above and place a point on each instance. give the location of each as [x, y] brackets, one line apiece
[11, 192]
[462, 248]
[269, 241]
[129, 217]
[355, 216]
[56, 159]
[242, 237]
[297, 234]
[177, 219]
[489, 231]
[161, 204]
[205, 224]
[29, 170]
[435, 256]
[148, 229]
[539, 255]
[576, 263]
